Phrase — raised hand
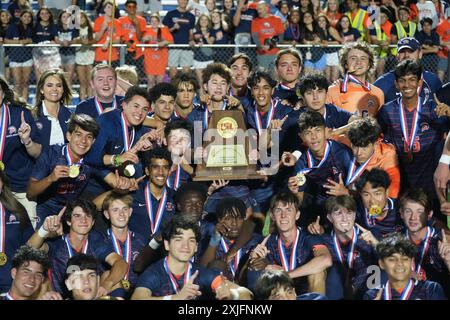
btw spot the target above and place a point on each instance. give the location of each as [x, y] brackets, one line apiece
[216, 185]
[205, 98]
[444, 248]
[24, 130]
[134, 183]
[60, 171]
[316, 228]
[442, 109]
[190, 290]
[367, 236]
[277, 124]
[122, 184]
[260, 250]
[53, 224]
[336, 188]
[223, 291]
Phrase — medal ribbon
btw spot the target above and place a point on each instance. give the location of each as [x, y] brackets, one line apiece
[354, 173]
[118, 249]
[237, 258]
[9, 296]
[310, 159]
[292, 264]
[2, 228]
[187, 275]
[69, 247]
[127, 140]
[3, 129]
[270, 115]
[348, 77]
[426, 246]
[406, 293]
[176, 181]
[351, 252]
[99, 107]
[69, 157]
[155, 222]
[410, 137]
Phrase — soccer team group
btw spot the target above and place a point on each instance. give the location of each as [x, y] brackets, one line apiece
[101, 203]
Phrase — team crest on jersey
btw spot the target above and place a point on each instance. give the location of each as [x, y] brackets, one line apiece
[370, 103]
[12, 218]
[39, 125]
[169, 206]
[424, 126]
[12, 130]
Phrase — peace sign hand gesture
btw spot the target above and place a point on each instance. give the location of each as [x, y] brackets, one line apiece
[190, 291]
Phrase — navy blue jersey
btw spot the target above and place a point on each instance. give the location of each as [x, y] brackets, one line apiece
[18, 164]
[423, 290]
[246, 99]
[386, 83]
[337, 162]
[306, 244]
[137, 244]
[283, 92]
[234, 267]
[380, 228]
[59, 256]
[177, 178]
[280, 111]
[19, 54]
[110, 139]
[158, 281]
[432, 267]
[15, 236]
[185, 20]
[335, 117]
[427, 147]
[63, 191]
[140, 219]
[207, 230]
[364, 256]
[90, 107]
[45, 126]
[47, 33]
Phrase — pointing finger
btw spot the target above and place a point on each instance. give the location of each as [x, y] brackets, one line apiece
[265, 240]
[436, 99]
[140, 179]
[444, 236]
[318, 220]
[22, 117]
[191, 279]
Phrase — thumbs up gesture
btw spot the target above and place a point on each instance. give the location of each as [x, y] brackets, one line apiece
[24, 130]
[316, 228]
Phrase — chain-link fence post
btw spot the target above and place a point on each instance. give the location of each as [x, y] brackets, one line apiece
[123, 52]
[2, 60]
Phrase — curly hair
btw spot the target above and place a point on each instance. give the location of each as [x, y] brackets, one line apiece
[363, 46]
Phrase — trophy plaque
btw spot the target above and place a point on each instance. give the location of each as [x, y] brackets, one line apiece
[227, 146]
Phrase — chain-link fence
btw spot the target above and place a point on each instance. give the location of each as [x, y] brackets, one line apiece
[218, 53]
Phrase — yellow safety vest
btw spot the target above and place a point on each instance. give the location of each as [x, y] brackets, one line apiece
[358, 21]
[381, 36]
[401, 33]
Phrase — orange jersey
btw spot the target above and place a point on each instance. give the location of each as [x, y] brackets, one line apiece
[356, 98]
[103, 55]
[385, 157]
[156, 59]
[130, 33]
[267, 28]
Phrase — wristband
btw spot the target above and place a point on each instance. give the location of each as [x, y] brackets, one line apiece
[167, 298]
[42, 232]
[297, 154]
[215, 240]
[153, 244]
[117, 161]
[445, 159]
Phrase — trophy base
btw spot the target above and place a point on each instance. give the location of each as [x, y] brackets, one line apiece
[227, 173]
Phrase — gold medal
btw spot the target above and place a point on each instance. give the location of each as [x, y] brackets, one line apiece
[301, 179]
[375, 210]
[3, 259]
[74, 171]
[125, 284]
[2, 166]
[129, 171]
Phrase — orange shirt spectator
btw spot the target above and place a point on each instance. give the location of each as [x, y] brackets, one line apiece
[104, 28]
[130, 33]
[156, 59]
[443, 30]
[266, 29]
